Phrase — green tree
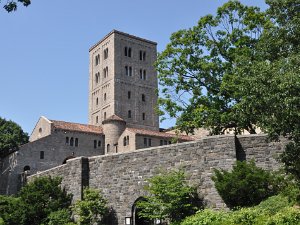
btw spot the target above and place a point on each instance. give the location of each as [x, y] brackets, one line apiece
[12, 5]
[92, 208]
[246, 185]
[170, 198]
[42, 197]
[11, 136]
[12, 210]
[195, 63]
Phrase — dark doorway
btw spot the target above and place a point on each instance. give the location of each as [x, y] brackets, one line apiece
[137, 220]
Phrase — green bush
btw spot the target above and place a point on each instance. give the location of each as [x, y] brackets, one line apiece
[246, 185]
[206, 217]
[287, 216]
[60, 217]
[274, 204]
[1, 221]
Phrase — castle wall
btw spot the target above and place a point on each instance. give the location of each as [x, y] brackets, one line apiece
[121, 176]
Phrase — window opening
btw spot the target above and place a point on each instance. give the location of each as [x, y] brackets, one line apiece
[129, 113]
[72, 141]
[95, 143]
[129, 94]
[76, 142]
[42, 155]
[67, 140]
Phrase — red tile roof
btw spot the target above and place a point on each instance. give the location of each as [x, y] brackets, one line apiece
[159, 134]
[62, 125]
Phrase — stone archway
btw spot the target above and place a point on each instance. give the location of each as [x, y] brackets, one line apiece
[136, 219]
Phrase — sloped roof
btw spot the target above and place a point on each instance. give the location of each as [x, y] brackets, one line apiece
[62, 125]
[114, 118]
[159, 134]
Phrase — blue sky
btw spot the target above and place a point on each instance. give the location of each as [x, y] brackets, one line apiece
[44, 49]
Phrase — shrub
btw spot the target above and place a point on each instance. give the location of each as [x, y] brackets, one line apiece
[206, 217]
[60, 217]
[246, 185]
[91, 208]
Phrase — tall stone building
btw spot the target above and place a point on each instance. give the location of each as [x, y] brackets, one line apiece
[123, 81]
[122, 118]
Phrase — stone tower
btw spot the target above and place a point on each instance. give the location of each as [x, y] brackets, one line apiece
[123, 81]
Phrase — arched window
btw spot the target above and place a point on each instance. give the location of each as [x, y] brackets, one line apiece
[124, 141]
[95, 143]
[76, 142]
[107, 148]
[67, 140]
[104, 115]
[97, 119]
[40, 130]
[72, 141]
[129, 94]
[97, 101]
[127, 140]
[144, 75]
[129, 52]
[106, 53]
[143, 98]
[26, 168]
[144, 116]
[125, 51]
[126, 70]
[129, 113]
[141, 74]
[99, 143]
[104, 97]
[144, 56]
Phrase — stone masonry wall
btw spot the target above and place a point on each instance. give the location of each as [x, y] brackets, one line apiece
[121, 176]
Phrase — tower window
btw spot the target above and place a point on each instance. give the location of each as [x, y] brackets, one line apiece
[141, 74]
[76, 142]
[105, 52]
[127, 140]
[143, 98]
[42, 155]
[129, 94]
[104, 97]
[144, 75]
[142, 55]
[71, 141]
[108, 148]
[95, 143]
[125, 51]
[128, 71]
[97, 119]
[129, 113]
[104, 115]
[97, 77]
[144, 116]
[67, 140]
[129, 52]
[97, 59]
[105, 72]
[97, 101]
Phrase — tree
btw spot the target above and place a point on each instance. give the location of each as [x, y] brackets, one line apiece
[12, 5]
[170, 198]
[42, 197]
[92, 208]
[11, 210]
[246, 185]
[195, 66]
[11, 136]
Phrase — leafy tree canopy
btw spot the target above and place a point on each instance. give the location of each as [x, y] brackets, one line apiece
[12, 5]
[235, 70]
[11, 136]
[170, 198]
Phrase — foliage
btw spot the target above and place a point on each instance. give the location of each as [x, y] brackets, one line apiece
[1, 221]
[11, 136]
[42, 197]
[274, 211]
[291, 159]
[170, 198]
[12, 5]
[194, 65]
[11, 210]
[245, 185]
[60, 217]
[91, 208]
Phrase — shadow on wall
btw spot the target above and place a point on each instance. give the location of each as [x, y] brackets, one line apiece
[111, 217]
[240, 152]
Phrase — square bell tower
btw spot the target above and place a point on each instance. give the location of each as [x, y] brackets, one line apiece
[123, 81]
